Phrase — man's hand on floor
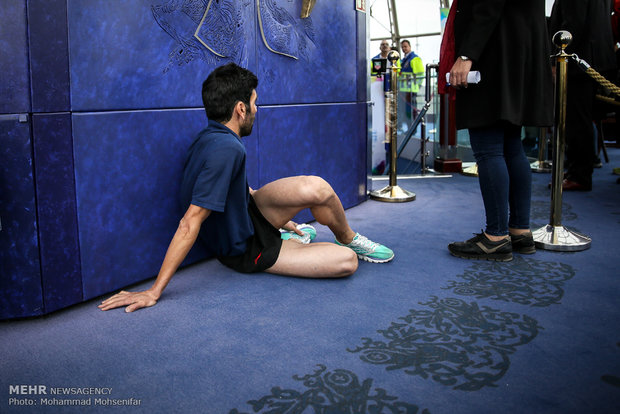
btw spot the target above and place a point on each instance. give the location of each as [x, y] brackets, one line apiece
[133, 301]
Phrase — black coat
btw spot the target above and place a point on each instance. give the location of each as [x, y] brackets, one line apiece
[589, 21]
[508, 43]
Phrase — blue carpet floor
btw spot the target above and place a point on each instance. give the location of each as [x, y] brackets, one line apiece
[426, 333]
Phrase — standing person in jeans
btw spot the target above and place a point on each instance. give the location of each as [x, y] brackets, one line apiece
[507, 42]
[240, 225]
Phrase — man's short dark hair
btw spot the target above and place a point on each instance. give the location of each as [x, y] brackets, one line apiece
[406, 41]
[224, 87]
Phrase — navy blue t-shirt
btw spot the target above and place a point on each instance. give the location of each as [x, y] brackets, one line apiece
[214, 177]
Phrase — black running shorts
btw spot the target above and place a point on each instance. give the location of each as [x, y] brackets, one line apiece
[262, 249]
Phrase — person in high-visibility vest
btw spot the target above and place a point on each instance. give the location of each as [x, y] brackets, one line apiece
[411, 75]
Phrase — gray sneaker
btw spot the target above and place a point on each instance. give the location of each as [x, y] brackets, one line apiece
[523, 243]
[481, 248]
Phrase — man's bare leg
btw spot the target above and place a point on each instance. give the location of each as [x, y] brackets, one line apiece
[316, 260]
[280, 200]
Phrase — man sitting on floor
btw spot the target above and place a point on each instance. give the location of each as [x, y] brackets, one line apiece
[240, 225]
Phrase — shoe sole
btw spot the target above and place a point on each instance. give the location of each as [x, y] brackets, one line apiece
[371, 260]
[296, 239]
[489, 257]
[526, 250]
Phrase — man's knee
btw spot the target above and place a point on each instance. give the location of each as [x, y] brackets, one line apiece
[315, 189]
[348, 265]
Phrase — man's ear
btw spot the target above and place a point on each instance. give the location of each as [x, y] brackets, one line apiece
[240, 109]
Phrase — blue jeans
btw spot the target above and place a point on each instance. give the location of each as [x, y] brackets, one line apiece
[505, 177]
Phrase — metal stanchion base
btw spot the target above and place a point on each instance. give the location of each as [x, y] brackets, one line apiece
[429, 174]
[541, 167]
[392, 194]
[560, 239]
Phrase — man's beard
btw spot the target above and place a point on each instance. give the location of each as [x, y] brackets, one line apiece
[246, 127]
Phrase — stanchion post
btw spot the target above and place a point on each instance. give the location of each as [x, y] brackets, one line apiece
[393, 193]
[423, 138]
[542, 165]
[392, 129]
[554, 236]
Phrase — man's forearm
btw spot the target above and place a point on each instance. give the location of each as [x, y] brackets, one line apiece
[181, 244]
[177, 251]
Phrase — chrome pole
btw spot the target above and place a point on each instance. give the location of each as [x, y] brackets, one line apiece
[421, 120]
[393, 193]
[423, 138]
[554, 236]
[423, 152]
[542, 165]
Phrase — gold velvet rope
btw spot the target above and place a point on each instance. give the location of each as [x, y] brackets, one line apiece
[600, 79]
[608, 100]
[604, 82]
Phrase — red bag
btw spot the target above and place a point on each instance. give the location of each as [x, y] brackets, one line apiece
[615, 21]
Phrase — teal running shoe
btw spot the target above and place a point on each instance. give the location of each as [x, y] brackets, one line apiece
[308, 230]
[369, 250]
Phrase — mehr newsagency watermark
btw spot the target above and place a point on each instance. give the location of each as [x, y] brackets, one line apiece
[44, 395]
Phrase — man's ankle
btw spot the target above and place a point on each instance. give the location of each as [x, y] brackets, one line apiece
[346, 238]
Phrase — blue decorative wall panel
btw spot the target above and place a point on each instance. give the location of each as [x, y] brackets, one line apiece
[49, 55]
[143, 54]
[56, 211]
[20, 277]
[14, 86]
[128, 168]
[324, 44]
[155, 53]
[324, 140]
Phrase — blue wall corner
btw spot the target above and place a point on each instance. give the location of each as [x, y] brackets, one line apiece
[15, 85]
[20, 276]
[49, 55]
[56, 210]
